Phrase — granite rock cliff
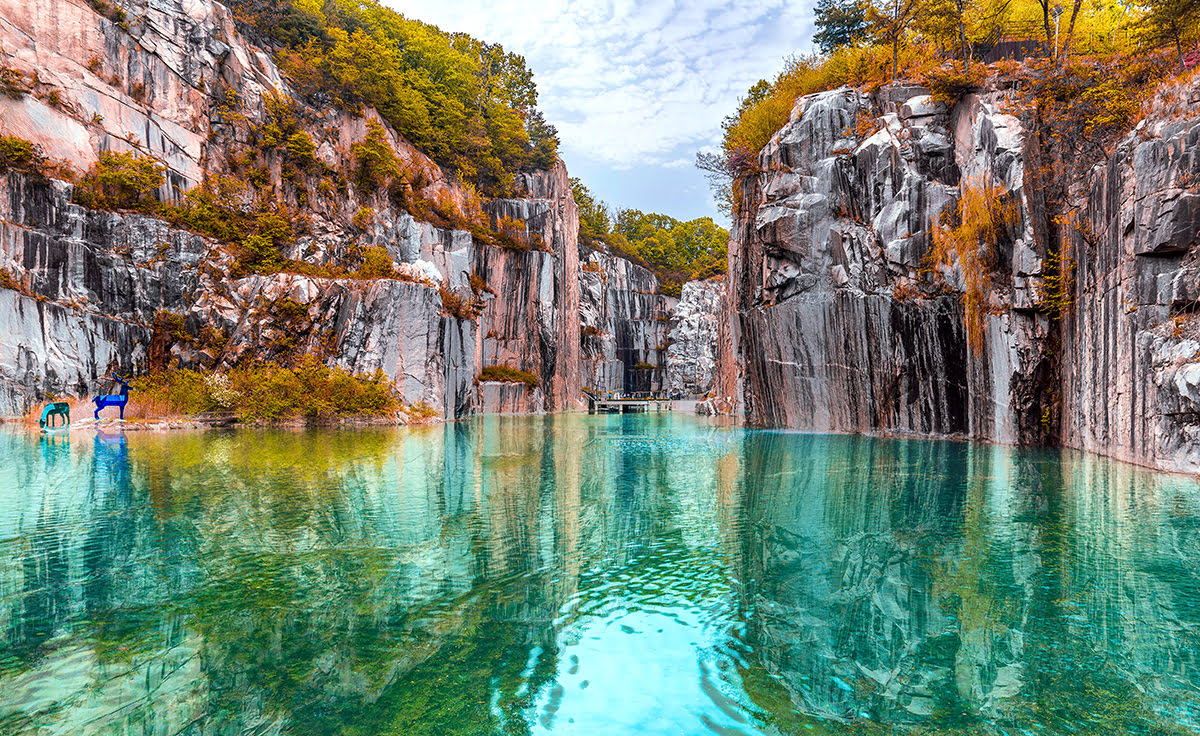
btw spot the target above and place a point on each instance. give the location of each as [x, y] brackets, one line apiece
[831, 323]
[179, 83]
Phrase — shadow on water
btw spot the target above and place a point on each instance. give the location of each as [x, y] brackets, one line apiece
[609, 574]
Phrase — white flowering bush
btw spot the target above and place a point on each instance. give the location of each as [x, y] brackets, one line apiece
[221, 392]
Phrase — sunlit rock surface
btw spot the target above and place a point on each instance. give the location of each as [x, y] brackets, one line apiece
[692, 352]
[91, 283]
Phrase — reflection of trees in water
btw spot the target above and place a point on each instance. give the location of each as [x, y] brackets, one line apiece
[418, 581]
[951, 586]
[289, 578]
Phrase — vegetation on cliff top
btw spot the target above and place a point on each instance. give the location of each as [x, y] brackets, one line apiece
[1102, 57]
[673, 250]
[470, 105]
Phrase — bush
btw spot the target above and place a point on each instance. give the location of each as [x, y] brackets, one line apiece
[508, 374]
[363, 218]
[420, 411]
[377, 162]
[266, 392]
[948, 84]
[121, 181]
[461, 303]
[478, 285]
[18, 154]
[110, 11]
[301, 149]
[377, 264]
[12, 83]
[213, 209]
[968, 237]
[1090, 101]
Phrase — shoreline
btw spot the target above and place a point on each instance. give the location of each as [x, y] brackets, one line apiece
[192, 424]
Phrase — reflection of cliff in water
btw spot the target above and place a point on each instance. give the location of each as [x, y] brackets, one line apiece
[410, 581]
[951, 584]
[475, 577]
[236, 585]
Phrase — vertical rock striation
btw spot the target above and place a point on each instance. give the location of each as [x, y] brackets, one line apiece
[624, 326]
[838, 320]
[692, 349]
[533, 323]
[179, 83]
[1131, 346]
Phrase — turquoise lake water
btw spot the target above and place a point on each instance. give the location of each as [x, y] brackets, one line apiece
[637, 574]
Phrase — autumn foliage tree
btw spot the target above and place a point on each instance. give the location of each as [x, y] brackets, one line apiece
[939, 44]
[470, 105]
[1173, 22]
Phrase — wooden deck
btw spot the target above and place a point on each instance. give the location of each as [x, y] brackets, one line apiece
[598, 405]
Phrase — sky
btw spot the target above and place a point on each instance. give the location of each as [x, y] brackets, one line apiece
[636, 88]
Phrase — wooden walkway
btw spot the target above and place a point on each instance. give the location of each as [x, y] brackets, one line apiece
[598, 405]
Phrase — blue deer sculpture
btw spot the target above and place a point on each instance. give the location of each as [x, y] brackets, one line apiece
[117, 400]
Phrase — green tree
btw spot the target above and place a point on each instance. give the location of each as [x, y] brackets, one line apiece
[675, 250]
[594, 222]
[121, 181]
[839, 23]
[470, 105]
[377, 163]
[543, 137]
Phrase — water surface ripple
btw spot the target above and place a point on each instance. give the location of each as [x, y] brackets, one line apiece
[641, 574]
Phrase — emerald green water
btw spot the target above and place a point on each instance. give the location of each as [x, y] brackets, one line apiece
[640, 574]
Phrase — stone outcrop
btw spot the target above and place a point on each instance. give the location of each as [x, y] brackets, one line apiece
[1131, 346]
[692, 349]
[179, 83]
[624, 326]
[533, 321]
[835, 320]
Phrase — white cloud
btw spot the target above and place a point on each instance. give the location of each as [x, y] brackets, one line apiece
[634, 83]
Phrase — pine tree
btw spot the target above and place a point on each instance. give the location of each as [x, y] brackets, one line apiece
[839, 23]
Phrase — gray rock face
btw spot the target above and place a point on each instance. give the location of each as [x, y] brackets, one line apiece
[827, 328]
[533, 323]
[692, 352]
[826, 241]
[624, 326]
[1131, 347]
[94, 282]
[90, 285]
